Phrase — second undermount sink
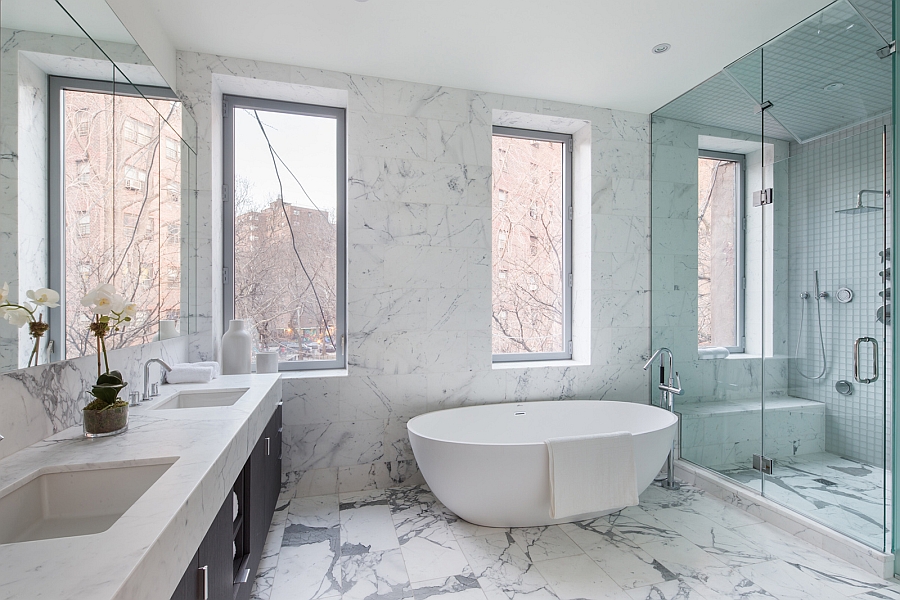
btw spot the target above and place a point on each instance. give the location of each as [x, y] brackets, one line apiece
[64, 503]
[202, 399]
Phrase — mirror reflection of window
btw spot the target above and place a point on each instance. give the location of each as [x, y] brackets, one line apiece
[121, 206]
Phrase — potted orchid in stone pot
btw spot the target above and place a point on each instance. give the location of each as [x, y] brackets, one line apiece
[27, 313]
[107, 414]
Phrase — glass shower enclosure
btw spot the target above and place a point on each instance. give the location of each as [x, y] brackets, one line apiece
[771, 267]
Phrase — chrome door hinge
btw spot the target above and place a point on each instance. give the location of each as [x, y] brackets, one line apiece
[570, 146]
[224, 274]
[571, 347]
[225, 192]
[764, 106]
[224, 109]
[571, 280]
[763, 464]
[571, 212]
[887, 50]
[343, 343]
[744, 283]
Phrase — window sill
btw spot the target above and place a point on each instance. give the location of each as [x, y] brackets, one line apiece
[530, 364]
[314, 373]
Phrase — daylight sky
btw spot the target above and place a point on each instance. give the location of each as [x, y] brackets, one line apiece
[307, 145]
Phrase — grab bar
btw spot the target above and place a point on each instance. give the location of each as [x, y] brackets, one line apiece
[874, 342]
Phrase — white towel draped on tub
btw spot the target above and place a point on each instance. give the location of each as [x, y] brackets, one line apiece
[591, 473]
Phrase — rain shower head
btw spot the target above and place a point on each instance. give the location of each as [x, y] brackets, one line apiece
[860, 207]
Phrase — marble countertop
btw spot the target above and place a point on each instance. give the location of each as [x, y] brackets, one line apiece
[144, 554]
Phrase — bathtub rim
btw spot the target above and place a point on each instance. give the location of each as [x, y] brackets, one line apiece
[671, 415]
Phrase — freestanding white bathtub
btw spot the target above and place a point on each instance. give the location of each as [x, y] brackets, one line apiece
[489, 464]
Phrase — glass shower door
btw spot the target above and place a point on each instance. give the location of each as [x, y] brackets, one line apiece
[826, 262]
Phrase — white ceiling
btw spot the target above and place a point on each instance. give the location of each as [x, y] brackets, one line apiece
[595, 52]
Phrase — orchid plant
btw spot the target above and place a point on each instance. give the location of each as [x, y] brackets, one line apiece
[24, 313]
[111, 311]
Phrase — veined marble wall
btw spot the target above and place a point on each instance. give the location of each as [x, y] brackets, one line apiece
[36, 403]
[740, 377]
[419, 262]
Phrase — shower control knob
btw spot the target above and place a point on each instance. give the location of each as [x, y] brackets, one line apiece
[886, 274]
[823, 295]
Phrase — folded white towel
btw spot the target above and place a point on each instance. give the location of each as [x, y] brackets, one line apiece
[591, 473]
[713, 353]
[190, 374]
[217, 368]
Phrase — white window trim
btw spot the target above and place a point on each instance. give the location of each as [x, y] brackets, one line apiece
[567, 278]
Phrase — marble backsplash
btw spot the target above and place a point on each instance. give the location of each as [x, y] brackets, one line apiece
[36, 403]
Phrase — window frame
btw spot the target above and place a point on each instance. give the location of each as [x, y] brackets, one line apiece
[230, 103]
[56, 317]
[567, 273]
[740, 238]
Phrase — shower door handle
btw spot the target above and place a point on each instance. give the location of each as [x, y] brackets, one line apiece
[874, 377]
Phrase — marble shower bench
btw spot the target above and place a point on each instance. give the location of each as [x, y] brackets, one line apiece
[719, 433]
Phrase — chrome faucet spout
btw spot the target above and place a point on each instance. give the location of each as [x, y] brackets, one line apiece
[652, 358]
[147, 395]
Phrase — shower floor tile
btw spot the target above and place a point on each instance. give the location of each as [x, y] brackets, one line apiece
[680, 544]
[846, 495]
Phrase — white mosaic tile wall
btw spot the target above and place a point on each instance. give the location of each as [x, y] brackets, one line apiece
[825, 176]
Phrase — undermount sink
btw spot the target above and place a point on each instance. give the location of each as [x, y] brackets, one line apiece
[204, 399]
[58, 504]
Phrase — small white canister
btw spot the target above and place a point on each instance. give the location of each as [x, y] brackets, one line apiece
[266, 362]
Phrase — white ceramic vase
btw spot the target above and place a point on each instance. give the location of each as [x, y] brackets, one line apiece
[236, 345]
[167, 330]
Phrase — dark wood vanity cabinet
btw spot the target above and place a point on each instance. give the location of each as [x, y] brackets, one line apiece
[225, 564]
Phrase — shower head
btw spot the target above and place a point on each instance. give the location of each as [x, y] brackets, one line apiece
[860, 207]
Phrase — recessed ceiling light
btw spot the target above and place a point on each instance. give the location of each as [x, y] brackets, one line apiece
[660, 48]
[833, 87]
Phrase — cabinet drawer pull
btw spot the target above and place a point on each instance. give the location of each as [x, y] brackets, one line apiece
[268, 448]
[243, 576]
[204, 582]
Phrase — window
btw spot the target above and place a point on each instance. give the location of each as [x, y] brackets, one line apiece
[285, 259]
[531, 264]
[82, 122]
[134, 178]
[83, 171]
[136, 131]
[720, 243]
[173, 149]
[83, 223]
[107, 207]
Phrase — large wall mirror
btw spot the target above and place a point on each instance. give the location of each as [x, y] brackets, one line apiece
[98, 165]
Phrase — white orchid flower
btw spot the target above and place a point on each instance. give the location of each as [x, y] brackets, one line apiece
[18, 315]
[44, 297]
[4, 292]
[130, 311]
[102, 299]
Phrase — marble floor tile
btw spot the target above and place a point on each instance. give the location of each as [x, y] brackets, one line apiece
[676, 545]
[458, 587]
[545, 543]
[502, 569]
[576, 577]
[375, 576]
[626, 563]
[368, 528]
[670, 590]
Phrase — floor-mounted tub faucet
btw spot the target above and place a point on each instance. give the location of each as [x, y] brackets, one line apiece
[669, 388]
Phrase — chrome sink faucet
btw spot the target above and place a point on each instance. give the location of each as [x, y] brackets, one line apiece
[669, 388]
[152, 390]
